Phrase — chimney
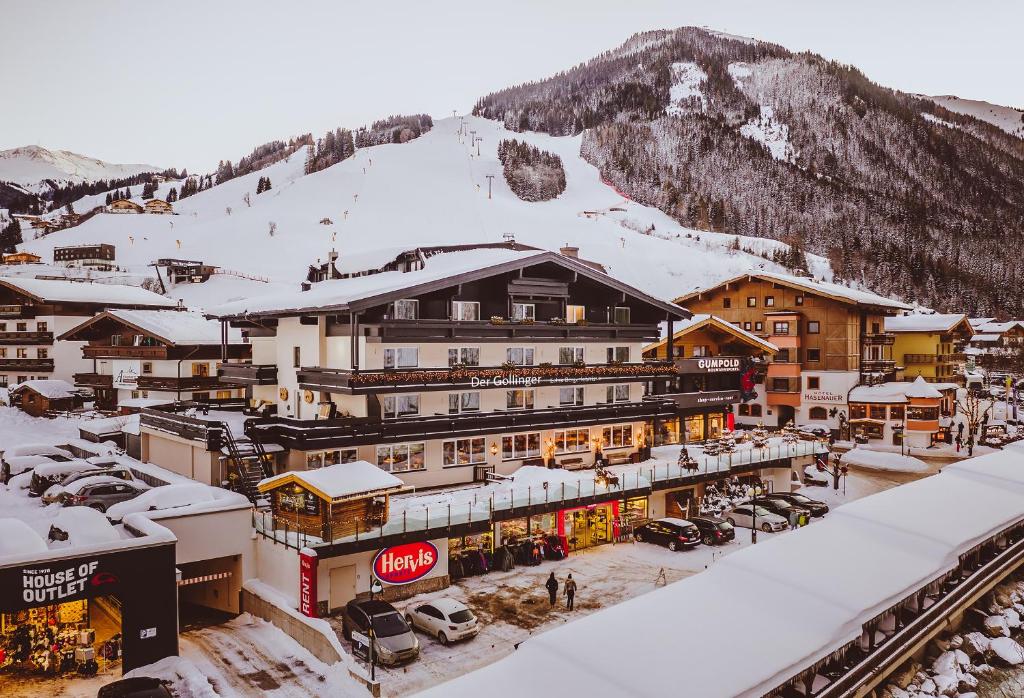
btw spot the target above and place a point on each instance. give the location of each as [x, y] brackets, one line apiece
[568, 251]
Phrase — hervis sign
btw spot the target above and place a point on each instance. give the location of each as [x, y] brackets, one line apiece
[402, 564]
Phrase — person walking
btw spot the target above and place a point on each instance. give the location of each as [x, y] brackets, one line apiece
[959, 443]
[570, 592]
[552, 587]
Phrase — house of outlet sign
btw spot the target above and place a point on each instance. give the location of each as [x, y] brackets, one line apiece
[44, 585]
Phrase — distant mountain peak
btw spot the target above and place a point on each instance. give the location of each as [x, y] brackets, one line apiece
[30, 165]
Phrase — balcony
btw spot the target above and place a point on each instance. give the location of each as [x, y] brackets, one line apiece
[247, 374]
[11, 310]
[782, 385]
[27, 365]
[933, 358]
[439, 330]
[105, 351]
[337, 380]
[877, 365]
[173, 384]
[26, 338]
[93, 380]
[883, 338]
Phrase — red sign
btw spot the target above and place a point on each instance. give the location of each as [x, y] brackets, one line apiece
[401, 564]
[307, 583]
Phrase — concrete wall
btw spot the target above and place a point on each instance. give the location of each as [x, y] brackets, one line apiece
[310, 638]
[181, 456]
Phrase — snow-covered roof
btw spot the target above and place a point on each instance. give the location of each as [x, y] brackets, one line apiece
[363, 291]
[838, 292]
[924, 323]
[985, 337]
[899, 391]
[52, 388]
[337, 481]
[998, 327]
[175, 327]
[976, 321]
[702, 319]
[816, 587]
[111, 295]
[921, 389]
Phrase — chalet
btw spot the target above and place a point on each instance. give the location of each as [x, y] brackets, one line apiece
[34, 311]
[41, 398]
[930, 346]
[124, 206]
[158, 206]
[918, 413]
[994, 344]
[155, 354]
[99, 256]
[831, 338]
[22, 258]
[182, 271]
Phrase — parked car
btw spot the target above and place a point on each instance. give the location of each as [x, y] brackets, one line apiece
[713, 530]
[394, 642]
[14, 465]
[816, 507]
[164, 497]
[670, 532]
[813, 476]
[782, 507]
[48, 474]
[743, 515]
[819, 430]
[446, 619]
[135, 687]
[52, 494]
[99, 492]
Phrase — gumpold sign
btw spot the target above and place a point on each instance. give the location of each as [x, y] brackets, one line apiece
[402, 564]
[710, 364]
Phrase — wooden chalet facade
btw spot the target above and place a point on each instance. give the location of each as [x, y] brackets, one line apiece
[158, 206]
[41, 398]
[124, 206]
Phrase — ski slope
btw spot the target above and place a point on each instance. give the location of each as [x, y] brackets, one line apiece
[429, 191]
[1007, 118]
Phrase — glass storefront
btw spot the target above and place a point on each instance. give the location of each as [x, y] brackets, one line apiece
[589, 526]
[77, 637]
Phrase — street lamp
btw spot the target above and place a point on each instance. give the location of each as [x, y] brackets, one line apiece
[375, 588]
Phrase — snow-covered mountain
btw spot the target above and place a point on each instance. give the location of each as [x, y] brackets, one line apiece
[32, 165]
[431, 190]
[1008, 119]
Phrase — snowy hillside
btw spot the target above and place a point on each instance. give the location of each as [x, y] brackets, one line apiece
[1007, 118]
[30, 165]
[432, 190]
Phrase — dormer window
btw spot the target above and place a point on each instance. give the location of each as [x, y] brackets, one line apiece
[407, 309]
[465, 310]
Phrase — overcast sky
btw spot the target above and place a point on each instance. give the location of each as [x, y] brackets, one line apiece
[186, 83]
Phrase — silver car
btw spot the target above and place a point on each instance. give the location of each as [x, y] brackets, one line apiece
[743, 515]
[99, 492]
[54, 493]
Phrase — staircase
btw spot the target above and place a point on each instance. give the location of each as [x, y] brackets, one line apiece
[246, 458]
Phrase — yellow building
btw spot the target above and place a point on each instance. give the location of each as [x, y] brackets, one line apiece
[929, 346]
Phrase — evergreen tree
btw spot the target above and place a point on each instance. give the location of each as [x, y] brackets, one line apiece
[109, 198]
[10, 236]
[172, 195]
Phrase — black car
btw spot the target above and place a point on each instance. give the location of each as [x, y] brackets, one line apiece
[713, 530]
[782, 507]
[816, 507]
[136, 687]
[393, 641]
[673, 533]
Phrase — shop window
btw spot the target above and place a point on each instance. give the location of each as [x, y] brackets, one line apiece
[727, 302]
[694, 428]
[524, 311]
[402, 357]
[575, 314]
[399, 458]
[147, 366]
[619, 436]
[858, 411]
[813, 382]
[618, 355]
[520, 446]
[464, 402]
[896, 412]
[401, 406]
[922, 413]
[519, 399]
[572, 440]
[751, 301]
[407, 309]
[465, 310]
[816, 413]
[813, 327]
[467, 356]
[617, 393]
[876, 411]
[814, 355]
[568, 397]
[321, 459]
[570, 355]
[621, 316]
[755, 410]
[464, 451]
[520, 356]
[769, 301]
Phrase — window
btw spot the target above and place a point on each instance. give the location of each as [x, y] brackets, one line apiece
[3, 352]
[876, 411]
[296, 356]
[798, 300]
[727, 302]
[147, 366]
[780, 385]
[570, 355]
[42, 353]
[402, 357]
[200, 370]
[464, 402]
[570, 396]
[21, 327]
[814, 355]
[618, 355]
[407, 309]
[813, 327]
[3, 326]
[520, 356]
[769, 301]
[926, 413]
[816, 413]
[3, 381]
[520, 446]
[572, 440]
[813, 382]
[320, 459]
[401, 405]
[782, 356]
[751, 301]
[575, 313]
[896, 412]
[465, 310]
[464, 451]
[875, 328]
[40, 327]
[400, 458]
[701, 350]
[755, 410]
[621, 316]
[519, 399]
[617, 393]
[467, 356]
[858, 411]
[619, 436]
[744, 410]
[524, 311]
[223, 394]
[780, 328]
[22, 353]
[746, 326]
[758, 326]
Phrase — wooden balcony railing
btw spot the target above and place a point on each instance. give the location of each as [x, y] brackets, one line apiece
[26, 338]
[93, 380]
[247, 374]
[94, 351]
[30, 365]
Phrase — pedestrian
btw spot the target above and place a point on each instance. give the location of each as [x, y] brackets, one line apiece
[959, 442]
[960, 430]
[570, 592]
[970, 445]
[552, 587]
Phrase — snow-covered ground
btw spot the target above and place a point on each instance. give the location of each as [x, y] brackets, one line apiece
[685, 92]
[880, 460]
[18, 428]
[771, 133]
[1008, 119]
[30, 165]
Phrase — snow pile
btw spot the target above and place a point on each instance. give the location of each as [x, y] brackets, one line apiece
[177, 327]
[289, 606]
[84, 526]
[881, 460]
[771, 133]
[685, 93]
[166, 497]
[20, 429]
[18, 539]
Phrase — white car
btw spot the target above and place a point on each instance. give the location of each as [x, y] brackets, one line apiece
[743, 515]
[446, 619]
